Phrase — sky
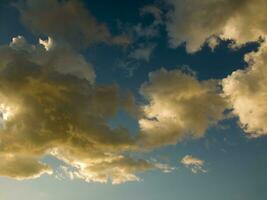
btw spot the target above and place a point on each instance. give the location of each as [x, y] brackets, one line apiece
[144, 99]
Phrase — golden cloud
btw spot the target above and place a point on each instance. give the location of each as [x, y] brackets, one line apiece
[178, 106]
[247, 93]
[195, 22]
[47, 109]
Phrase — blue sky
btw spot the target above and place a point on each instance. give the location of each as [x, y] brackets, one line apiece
[133, 100]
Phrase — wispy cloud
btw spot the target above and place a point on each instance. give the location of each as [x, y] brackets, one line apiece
[195, 164]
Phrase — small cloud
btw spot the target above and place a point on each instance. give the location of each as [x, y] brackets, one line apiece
[195, 164]
[142, 53]
[48, 44]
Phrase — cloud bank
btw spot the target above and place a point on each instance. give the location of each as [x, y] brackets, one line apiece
[50, 104]
[49, 108]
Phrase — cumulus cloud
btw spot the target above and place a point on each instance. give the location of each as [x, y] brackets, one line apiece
[178, 106]
[247, 93]
[66, 21]
[195, 164]
[194, 22]
[50, 104]
[47, 111]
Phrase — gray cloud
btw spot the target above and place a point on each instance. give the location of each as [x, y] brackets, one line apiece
[66, 21]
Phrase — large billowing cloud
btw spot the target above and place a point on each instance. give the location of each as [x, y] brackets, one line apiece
[247, 92]
[66, 21]
[50, 104]
[195, 22]
[178, 106]
[49, 108]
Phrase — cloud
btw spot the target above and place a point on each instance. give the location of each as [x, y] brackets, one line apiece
[247, 92]
[118, 168]
[143, 39]
[198, 22]
[142, 53]
[47, 109]
[61, 58]
[179, 106]
[50, 104]
[48, 44]
[194, 22]
[22, 167]
[193, 163]
[66, 21]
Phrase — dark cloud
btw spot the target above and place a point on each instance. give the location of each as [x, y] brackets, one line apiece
[66, 21]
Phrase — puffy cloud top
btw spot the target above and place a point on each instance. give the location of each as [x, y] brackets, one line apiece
[47, 108]
[179, 105]
[194, 22]
[247, 92]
